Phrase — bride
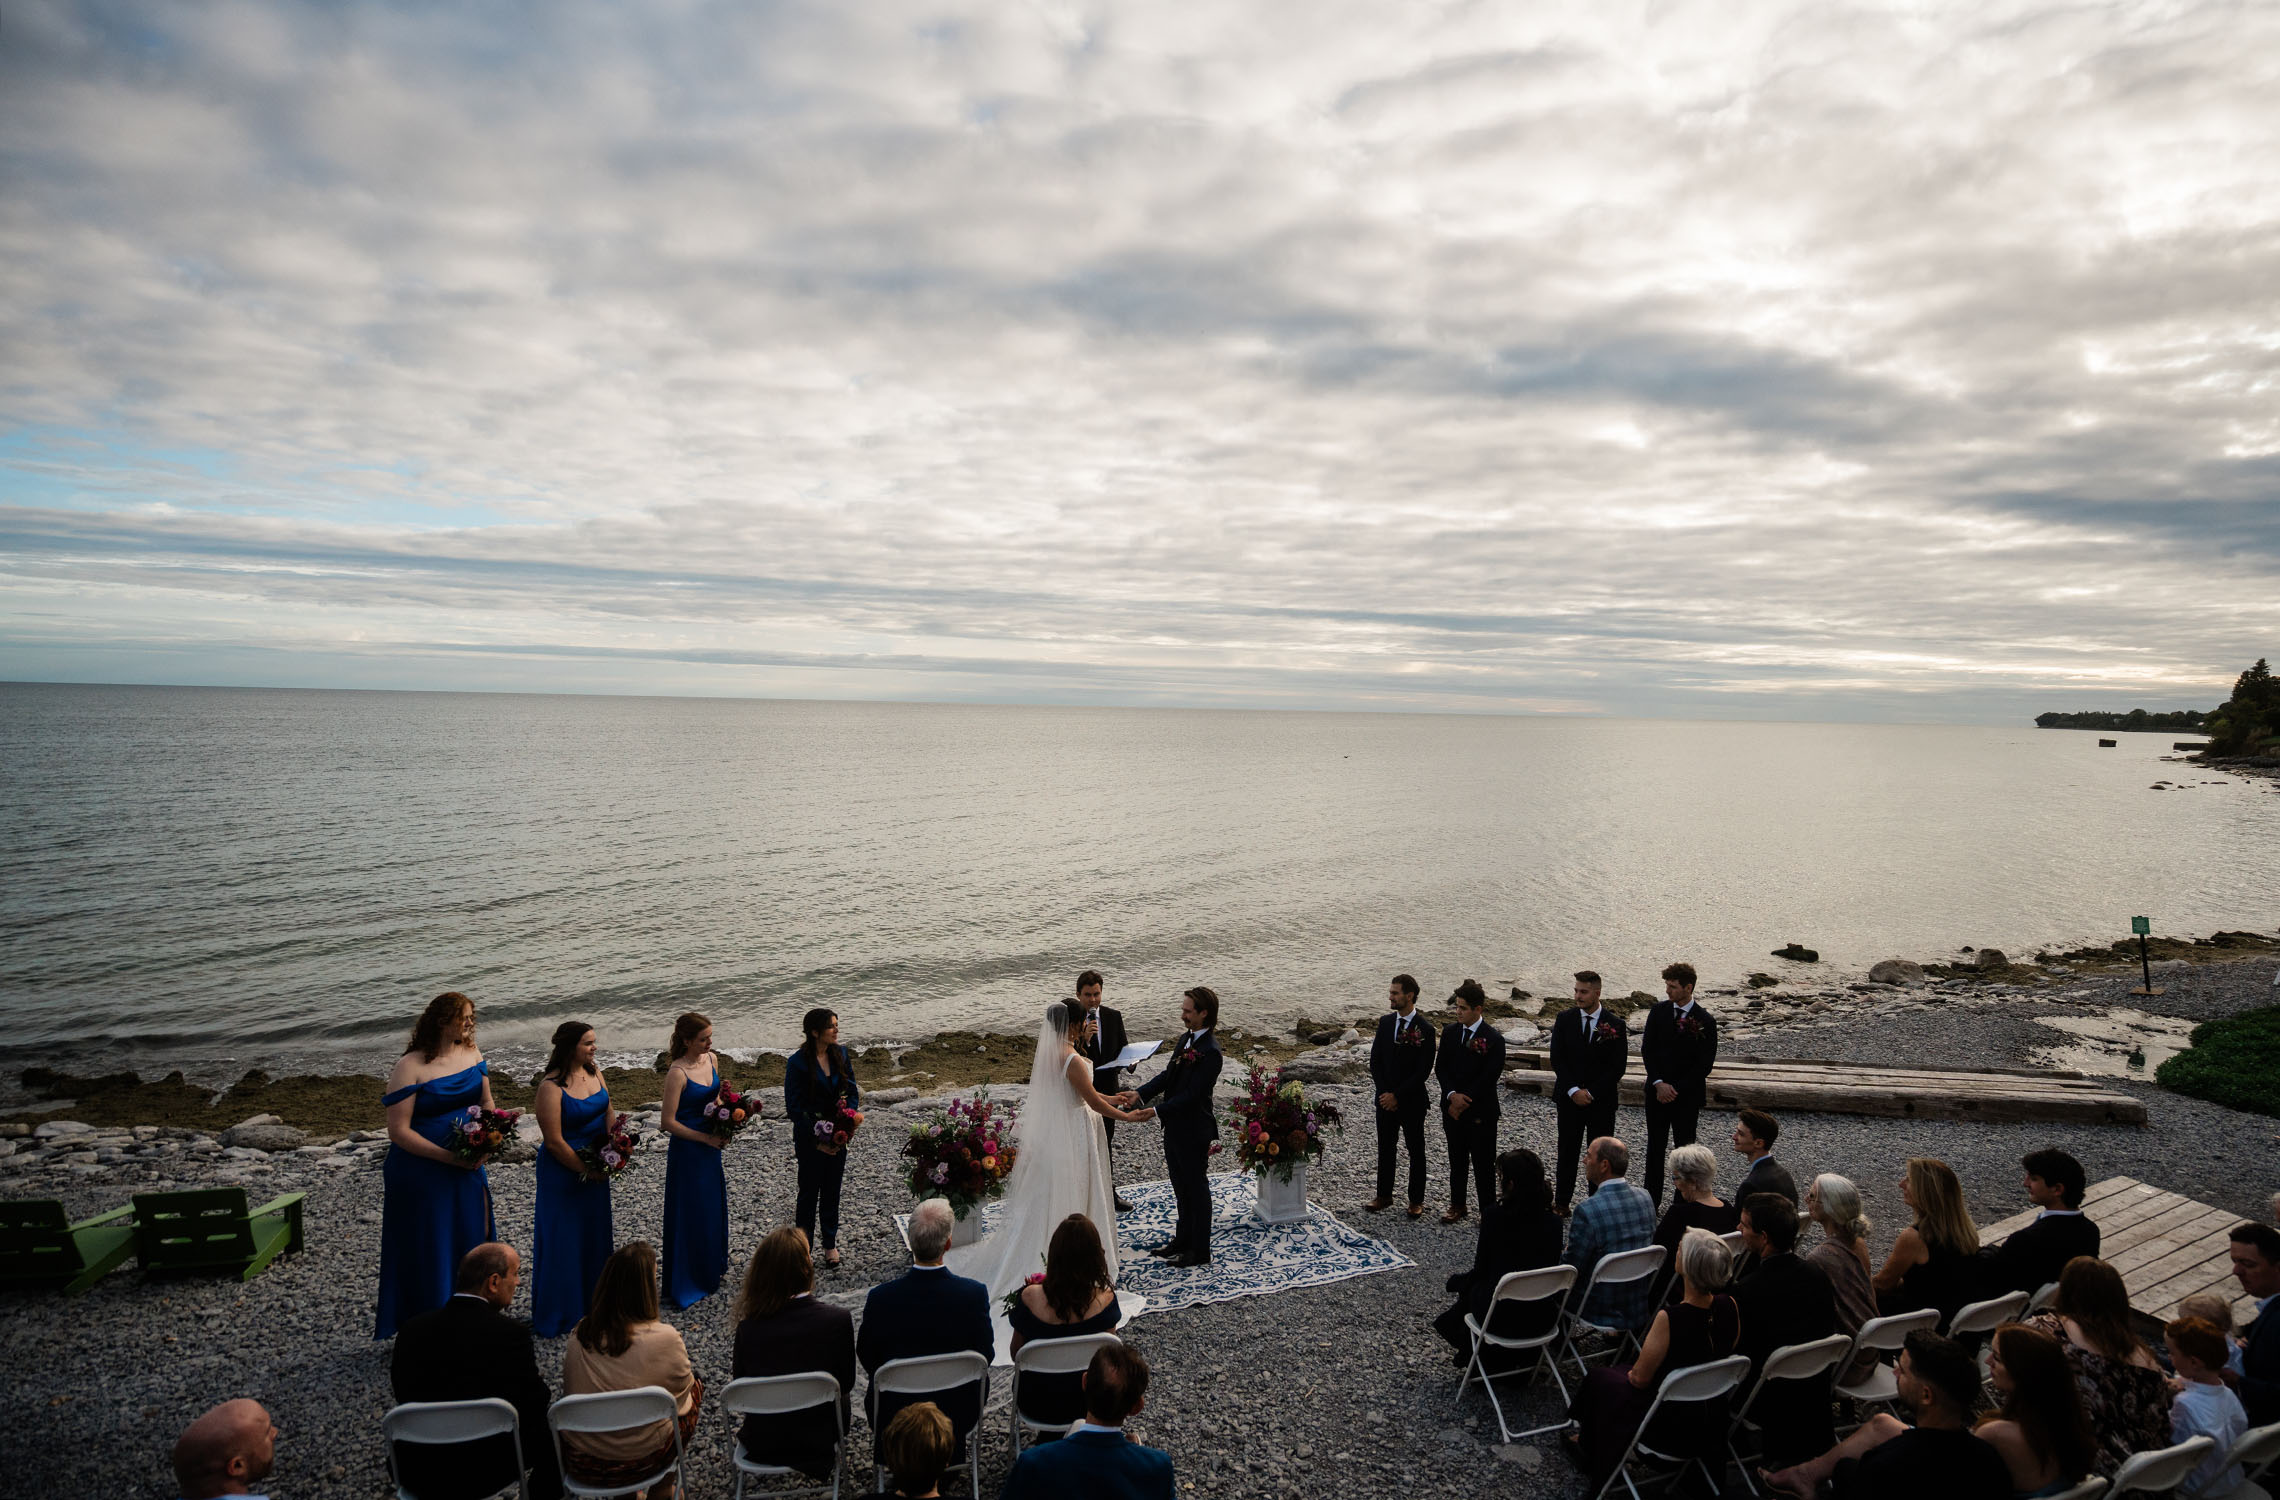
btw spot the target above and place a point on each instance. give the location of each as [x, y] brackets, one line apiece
[1061, 1165]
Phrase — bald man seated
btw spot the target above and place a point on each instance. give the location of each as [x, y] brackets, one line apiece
[470, 1350]
[225, 1452]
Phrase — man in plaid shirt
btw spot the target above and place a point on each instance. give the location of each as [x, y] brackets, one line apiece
[1617, 1216]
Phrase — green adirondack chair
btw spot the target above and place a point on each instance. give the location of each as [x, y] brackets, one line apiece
[39, 1245]
[210, 1231]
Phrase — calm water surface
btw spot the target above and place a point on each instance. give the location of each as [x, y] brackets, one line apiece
[226, 877]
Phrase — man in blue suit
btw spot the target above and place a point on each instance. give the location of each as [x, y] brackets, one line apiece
[1097, 1461]
[926, 1310]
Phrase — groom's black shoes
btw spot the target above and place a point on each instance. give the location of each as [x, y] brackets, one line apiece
[1122, 1207]
[1167, 1249]
[1186, 1262]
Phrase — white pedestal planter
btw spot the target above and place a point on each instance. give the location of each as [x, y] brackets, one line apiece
[966, 1228]
[1282, 1200]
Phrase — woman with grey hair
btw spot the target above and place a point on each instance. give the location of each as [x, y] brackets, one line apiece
[1694, 1204]
[1701, 1326]
[1834, 1203]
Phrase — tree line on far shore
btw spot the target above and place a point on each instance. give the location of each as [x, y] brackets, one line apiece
[2247, 723]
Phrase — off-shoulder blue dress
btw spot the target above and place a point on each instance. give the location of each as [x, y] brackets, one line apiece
[431, 1214]
[572, 1234]
[696, 1206]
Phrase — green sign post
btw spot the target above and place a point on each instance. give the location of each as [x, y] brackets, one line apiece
[2142, 926]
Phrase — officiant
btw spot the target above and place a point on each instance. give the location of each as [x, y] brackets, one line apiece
[1102, 1039]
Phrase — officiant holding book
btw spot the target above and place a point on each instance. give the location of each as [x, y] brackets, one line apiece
[1101, 1039]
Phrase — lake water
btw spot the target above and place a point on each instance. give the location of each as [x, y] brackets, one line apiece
[223, 878]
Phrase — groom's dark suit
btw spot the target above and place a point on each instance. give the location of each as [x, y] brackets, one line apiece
[1100, 1052]
[1182, 1097]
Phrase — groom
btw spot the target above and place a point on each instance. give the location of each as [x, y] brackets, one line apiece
[1182, 1096]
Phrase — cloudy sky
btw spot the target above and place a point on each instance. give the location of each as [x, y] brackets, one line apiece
[1824, 360]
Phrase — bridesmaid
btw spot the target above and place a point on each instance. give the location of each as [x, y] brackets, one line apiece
[696, 1187]
[435, 1207]
[816, 1078]
[573, 1234]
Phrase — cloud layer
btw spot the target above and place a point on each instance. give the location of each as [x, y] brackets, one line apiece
[1807, 361]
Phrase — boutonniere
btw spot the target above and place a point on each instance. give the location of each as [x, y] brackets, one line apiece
[1606, 1033]
[1690, 1024]
[1480, 1043]
[1188, 1056]
[1413, 1037]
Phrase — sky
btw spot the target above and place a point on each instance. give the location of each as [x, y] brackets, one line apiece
[1913, 362]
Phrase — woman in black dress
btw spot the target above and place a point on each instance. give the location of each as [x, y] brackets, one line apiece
[1703, 1325]
[1518, 1232]
[1074, 1298]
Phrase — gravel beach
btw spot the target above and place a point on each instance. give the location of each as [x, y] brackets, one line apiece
[1341, 1388]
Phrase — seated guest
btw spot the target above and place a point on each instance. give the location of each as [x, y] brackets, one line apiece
[1930, 1262]
[1695, 1204]
[1784, 1301]
[2215, 1309]
[225, 1451]
[1755, 1131]
[1842, 1256]
[2256, 1263]
[1075, 1298]
[2045, 1440]
[1701, 1326]
[926, 1310]
[782, 1330]
[1887, 1459]
[2204, 1407]
[1518, 1232]
[2123, 1392]
[917, 1448]
[2032, 1258]
[1097, 1461]
[620, 1345]
[470, 1350]
[1617, 1216]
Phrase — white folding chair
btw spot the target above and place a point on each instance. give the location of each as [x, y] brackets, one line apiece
[1879, 1387]
[453, 1422]
[2254, 1450]
[2044, 1296]
[774, 1396]
[1732, 1240]
[1816, 1362]
[1521, 1289]
[2158, 1471]
[1714, 1381]
[1618, 1268]
[1986, 1317]
[615, 1411]
[925, 1375]
[1064, 1356]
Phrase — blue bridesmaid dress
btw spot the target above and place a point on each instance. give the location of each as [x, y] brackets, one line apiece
[696, 1206]
[573, 1233]
[431, 1214]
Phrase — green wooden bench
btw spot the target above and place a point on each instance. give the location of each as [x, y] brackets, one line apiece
[210, 1231]
[39, 1245]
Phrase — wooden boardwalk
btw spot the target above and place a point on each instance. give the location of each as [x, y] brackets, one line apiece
[1898, 1093]
[2166, 1246]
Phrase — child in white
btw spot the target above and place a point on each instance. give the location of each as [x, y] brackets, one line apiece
[2205, 1405]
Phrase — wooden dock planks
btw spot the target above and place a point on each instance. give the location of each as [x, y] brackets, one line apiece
[1896, 1093]
[2167, 1246]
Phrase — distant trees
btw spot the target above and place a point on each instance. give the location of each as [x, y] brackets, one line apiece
[2136, 718]
[2248, 723]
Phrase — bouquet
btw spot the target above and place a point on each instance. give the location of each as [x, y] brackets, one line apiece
[1276, 1126]
[730, 1112]
[613, 1153]
[963, 1153]
[837, 1124]
[1012, 1299]
[479, 1132]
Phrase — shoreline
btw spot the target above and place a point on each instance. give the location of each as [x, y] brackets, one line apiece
[328, 1108]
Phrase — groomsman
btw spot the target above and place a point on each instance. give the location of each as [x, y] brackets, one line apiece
[1102, 1039]
[1675, 1051]
[1471, 1070]
[1401, 1059]
[1590, 1050]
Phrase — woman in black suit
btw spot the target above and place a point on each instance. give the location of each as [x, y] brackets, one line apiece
[818, 1079]
[1518, 1233]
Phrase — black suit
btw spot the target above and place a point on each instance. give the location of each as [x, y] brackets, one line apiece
[1182, 1096]
[2260, 1369]
[1399, 1066]
[805, 1335]
[2032, 1258]
[1787, 1301]
[1767, 1176]
[1679, 1055]
[1595, 1063]
[1102, 1049]
[468, 1350]
[926, 1310]
[1473, 1067]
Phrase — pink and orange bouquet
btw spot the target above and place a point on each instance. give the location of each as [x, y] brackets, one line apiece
[730, 1112]
[613, 1153]
[1012, 1299]
[834, 1129]
[479, 1132]
[1276, 1126]
[964, 1152]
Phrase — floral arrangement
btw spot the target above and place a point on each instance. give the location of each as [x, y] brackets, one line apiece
[964, 1152]
[833, 1130]
[479, 1132]
[1277, 1126]
[729, 1111]
[613, 1153]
